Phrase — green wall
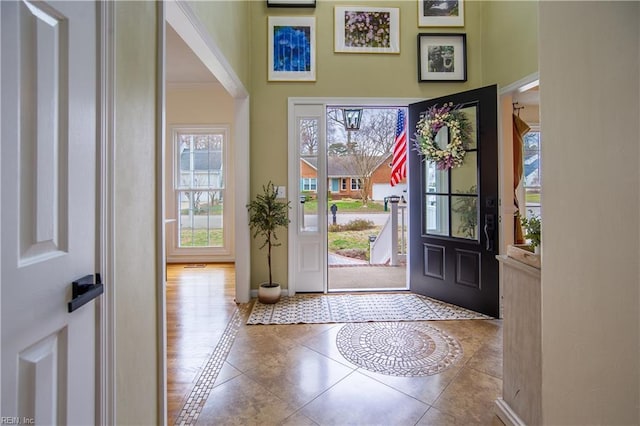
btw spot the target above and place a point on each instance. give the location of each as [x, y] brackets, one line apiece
[228, 24]
[509, 41]
[488, 26]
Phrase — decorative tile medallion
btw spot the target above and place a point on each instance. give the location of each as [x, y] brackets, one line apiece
[398, 348]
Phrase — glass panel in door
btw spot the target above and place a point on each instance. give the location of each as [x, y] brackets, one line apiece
[308, 177]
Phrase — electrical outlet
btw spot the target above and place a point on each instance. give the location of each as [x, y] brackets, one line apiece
[281, 191]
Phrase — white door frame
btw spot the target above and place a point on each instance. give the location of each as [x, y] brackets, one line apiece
[185, 22]
[293, 162]
[505, 162]
[106, 379]
[505, 155]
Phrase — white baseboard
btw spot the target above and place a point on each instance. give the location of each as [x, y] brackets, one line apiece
[507, 415]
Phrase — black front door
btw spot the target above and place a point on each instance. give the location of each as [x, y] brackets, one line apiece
[454, 202]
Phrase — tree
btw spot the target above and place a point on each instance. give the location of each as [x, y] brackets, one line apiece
[361, 151]
[197, 157]
[308, 137]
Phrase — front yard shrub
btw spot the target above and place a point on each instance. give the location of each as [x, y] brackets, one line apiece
[353, 225]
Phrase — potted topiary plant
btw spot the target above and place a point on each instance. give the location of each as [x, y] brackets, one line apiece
[266, 215]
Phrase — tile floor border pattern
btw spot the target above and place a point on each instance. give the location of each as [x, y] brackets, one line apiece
[204, 384]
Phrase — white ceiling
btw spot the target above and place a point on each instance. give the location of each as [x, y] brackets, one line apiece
[528, 97]
[182, 65]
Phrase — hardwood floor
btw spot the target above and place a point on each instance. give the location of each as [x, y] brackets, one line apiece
[199, 305]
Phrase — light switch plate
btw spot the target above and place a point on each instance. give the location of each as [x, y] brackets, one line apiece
[282, 191]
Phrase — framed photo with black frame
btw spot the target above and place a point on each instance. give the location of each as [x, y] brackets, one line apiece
[291, 3]
[441, 13]
[442, 57]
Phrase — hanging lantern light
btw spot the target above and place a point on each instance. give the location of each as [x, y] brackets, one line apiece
[352, 118]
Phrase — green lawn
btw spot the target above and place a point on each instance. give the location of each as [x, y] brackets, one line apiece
[198, 238]
[533, 197]
[346, 205]
[358, 240]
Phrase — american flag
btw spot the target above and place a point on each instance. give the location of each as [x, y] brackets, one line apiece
[399, 162]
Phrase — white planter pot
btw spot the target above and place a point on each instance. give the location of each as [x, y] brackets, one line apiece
[267, 294]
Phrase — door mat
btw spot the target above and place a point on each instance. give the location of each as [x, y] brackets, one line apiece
[346, 308]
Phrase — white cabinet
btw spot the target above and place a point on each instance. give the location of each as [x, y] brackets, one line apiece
[521, 402]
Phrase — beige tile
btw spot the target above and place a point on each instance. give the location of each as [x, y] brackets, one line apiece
[299, 375]
[298, 419]
[488, 359]
[360, 400]
[227, 372]
[470, 397]
[298, 333]
[241, 401]
[325, 343]
[247, 354]
[426, 388]
[435, 417]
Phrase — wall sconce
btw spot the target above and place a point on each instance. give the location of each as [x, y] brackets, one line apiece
[352, 118]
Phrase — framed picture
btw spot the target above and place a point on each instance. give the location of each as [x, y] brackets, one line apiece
[362, 29]
[292, 48]
[442, 57]
[441, 13]
[291, 3]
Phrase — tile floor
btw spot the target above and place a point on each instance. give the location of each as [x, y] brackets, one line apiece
[295, 375]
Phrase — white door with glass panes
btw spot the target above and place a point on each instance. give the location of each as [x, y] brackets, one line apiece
[201, 222]
[48, 221]
[307, 194]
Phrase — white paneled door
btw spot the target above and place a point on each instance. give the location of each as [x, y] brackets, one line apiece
[48, 216]
[307, 195]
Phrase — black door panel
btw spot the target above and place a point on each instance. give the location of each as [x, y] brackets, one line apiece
[454, 213]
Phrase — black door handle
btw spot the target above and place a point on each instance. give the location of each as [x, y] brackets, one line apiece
[84, 290]
[489, 227]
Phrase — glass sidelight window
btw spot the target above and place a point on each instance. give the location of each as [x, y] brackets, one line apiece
[532, 172]
[451, 200]
[200, 186]
[308, 154]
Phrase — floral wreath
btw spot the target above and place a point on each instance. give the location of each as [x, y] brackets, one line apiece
[428, 127]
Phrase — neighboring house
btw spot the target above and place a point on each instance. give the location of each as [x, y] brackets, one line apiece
[201, 169]
[343, 183]
[201, 179]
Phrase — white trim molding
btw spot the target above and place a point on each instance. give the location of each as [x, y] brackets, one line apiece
[182, 18]
[521, 85]
[506, 414]
[106, 363]
[161, 260]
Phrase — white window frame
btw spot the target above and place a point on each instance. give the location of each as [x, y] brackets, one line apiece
[310, 184]
[535, 128]
[198, 254]
[358, 184]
